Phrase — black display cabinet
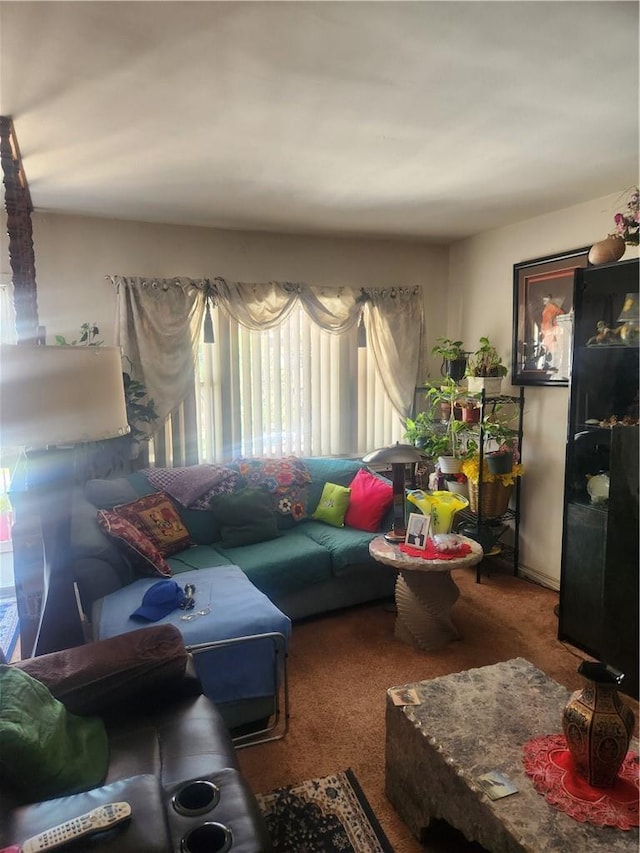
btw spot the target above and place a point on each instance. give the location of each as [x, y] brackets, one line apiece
[599, 574]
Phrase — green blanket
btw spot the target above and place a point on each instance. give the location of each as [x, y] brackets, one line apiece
[44, 750]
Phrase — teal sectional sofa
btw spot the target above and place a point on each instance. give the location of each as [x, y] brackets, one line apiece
[309, 568]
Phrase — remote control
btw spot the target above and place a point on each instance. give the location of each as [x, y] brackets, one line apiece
[97, 820]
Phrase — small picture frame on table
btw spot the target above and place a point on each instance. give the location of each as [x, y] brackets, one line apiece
[543, 318]
[418, 528]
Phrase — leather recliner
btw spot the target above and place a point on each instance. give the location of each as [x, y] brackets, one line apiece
[163, 735]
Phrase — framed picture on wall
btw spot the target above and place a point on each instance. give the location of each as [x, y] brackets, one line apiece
[543, 318]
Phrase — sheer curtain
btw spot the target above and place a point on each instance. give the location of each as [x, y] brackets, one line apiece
[8, 333]
[285, 374]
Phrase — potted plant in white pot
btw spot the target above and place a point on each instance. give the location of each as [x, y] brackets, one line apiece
[485, 369]
[440, 438]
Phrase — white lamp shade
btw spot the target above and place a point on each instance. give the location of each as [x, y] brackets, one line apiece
[60, 395]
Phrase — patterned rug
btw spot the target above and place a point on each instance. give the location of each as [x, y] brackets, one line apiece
[329, 815]
[8, 626]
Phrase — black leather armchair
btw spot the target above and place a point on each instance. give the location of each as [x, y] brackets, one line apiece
[163, 734]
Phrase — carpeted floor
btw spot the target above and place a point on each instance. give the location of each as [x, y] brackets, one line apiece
[341, 665]
[328, 815]
[8, 626]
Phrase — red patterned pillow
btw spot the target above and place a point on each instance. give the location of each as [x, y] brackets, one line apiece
[156, 517]
[143, 554]
[370, 499]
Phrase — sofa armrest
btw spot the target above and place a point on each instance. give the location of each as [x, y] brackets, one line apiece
[108, 674]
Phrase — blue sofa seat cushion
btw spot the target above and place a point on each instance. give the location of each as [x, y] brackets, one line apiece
[237, 609]
[346, 545]
[291, 562]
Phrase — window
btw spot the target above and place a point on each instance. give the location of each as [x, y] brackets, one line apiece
[293, 389]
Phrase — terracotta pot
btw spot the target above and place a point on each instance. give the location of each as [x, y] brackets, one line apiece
[607, 251]
[597, 726]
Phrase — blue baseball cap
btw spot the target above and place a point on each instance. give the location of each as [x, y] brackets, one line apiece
[158, 601]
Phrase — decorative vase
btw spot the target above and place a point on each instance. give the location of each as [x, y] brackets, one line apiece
[500, 461]
[597, 725]
[440, 505]
[607, 251]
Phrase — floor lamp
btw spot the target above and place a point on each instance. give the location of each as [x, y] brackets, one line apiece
[398, 456]
[52, 399]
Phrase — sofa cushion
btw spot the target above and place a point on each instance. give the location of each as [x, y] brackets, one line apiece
[200, 557]
[145, 557]
[347, 546]
[106, 494]
[286, 479]
[245, 517]
[293, 561]
[370, 498]
[332, 505]
[156, 516]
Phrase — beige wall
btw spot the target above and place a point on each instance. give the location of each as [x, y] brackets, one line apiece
[481, 303]
[73, 255]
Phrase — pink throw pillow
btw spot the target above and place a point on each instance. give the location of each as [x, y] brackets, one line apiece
[370, 499]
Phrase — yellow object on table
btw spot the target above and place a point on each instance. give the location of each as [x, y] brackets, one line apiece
[441, 506]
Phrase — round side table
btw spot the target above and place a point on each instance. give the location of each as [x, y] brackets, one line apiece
[425, 592]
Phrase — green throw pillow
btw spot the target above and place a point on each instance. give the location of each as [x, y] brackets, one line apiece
[333, 504]
[46, 751]
[245, 517]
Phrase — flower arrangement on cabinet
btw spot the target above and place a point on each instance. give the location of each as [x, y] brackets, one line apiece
[628, 221]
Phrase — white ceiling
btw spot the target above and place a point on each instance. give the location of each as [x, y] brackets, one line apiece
[428, 120]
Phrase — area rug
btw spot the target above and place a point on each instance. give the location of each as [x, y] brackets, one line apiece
[329, 815]
[8, 626]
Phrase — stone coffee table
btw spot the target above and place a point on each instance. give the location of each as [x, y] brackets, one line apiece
[425, 592]
[468, 724]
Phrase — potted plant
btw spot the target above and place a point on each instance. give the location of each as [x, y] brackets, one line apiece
[454, 358]
[485, 369]
[441, 439]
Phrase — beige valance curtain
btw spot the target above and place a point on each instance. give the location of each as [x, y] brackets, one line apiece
[159, 323]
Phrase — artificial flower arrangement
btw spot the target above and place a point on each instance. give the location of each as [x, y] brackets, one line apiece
[628, 222]
[471, 470]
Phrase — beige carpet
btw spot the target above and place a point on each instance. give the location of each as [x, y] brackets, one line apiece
[340, 666]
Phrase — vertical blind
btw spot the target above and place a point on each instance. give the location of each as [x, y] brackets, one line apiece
[293, 389]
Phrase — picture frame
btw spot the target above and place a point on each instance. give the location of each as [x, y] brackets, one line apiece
[543, 291]
[418, 527]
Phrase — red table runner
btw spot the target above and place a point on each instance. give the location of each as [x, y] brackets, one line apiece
[548, 761]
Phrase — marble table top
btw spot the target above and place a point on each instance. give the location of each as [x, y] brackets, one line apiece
[391, 555]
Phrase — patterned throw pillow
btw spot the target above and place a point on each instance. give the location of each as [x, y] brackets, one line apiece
[333, 504]
[370, 499]
[156, 517]
[286, 479]
[195, 485]
[144, 555]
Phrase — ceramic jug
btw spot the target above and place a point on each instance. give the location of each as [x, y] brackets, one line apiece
[597, 725]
